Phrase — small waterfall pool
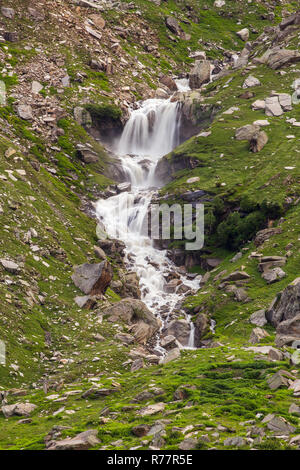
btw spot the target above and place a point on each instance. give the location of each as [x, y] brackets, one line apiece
[151, 132]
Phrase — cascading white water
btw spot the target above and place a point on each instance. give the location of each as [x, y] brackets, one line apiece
[151, 132]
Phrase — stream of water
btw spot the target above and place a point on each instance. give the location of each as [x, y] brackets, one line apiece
[151, 132]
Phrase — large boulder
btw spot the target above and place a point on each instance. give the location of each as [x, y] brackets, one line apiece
[83, 441]
[279, 58]
[200, 74]
[93, 279]
[246, 132]
[258, 141]
[180, 329]
[18, 409]
[173, 25]
[135, 314]
[168, 82]
[287, 306]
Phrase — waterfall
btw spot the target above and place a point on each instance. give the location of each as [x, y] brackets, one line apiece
[151, 132]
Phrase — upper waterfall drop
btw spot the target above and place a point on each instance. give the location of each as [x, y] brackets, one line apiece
[152, 130]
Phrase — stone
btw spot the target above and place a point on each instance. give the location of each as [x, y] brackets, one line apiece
[278, 425]
[161, 94]
[99, 252]
[36, 87]
[19, 409]
[246, 132]
[85, 301]
[258, 141]
[285, 101]
[93, 32]
[93, 279]
[11, 36]
[188, 444]
[152, 409]
[99, 338]
[137, 365]
[170, 356]
[273, 107]
[173, 25]
[82, 117]
[257, 335]
[195, 179]
[200, 74]
[123, 187]
[251, 82]
[143, 324]
[258, 105]
[280, 379]
[125, 338]
[37, 14]
[10, 266]
[273, 275]
[180, 330]
[83, 441]
[261, 123]
[219, 3]
[243, 34]
[168, 342]
[275, 355]
[282, 57]
[236, 276]
[294, 409]
[143, 396]
[265, 234]
[8, 12]
[259, 318]
[168, 82]
[25, 112]
[236, 441]
[141, 430]
[290, 327]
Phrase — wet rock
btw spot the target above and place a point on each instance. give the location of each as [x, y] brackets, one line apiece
[259, 318]
[200, 74]
[123, 187]
[134, 313]
[168, 82]
[93, 279]
[179, 329]
[83, 441]
[258, 141]
[257, 335]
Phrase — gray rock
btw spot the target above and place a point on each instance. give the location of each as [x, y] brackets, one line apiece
[173, 25]
[273, 107]
[294, 409]
[19, 409]
[99, 252]
[259, 318]
[290, 327]
[83, 441]
[168, 342]
[125, 338]
[280, 379]
[257, 335]
[10, 266]
[124, 187]
[25, 112]
[243, 34]
[273, 275]
[188, 444]
[141, 430]
[278, 425]
[86, 154]
[8, 12]
[246, 132]
[236, 441]
[236, 276]
[179, 329]
[251, 82]
[85, 301]
[258, 141]
[171, 356]
[282, 57]
[286, 306]
[36, 87]
[137, 365]
[93, 279]
[265, 234]
[200, 74]
[37, 14]
[82, 117]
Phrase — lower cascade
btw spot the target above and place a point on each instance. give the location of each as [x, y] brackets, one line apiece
[151, 132]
